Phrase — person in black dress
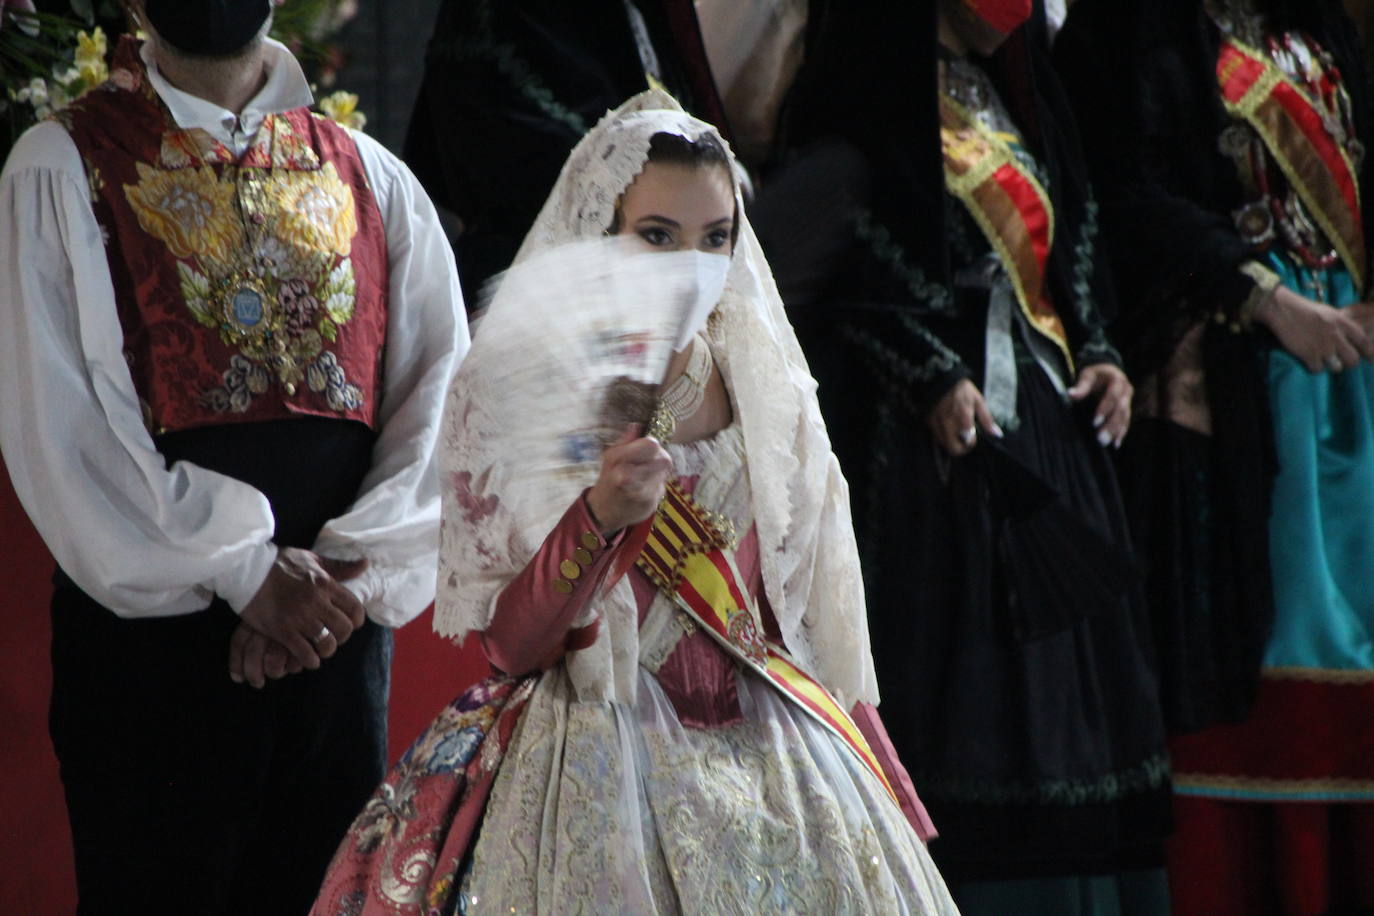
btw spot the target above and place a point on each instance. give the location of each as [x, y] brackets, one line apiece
[974, 401]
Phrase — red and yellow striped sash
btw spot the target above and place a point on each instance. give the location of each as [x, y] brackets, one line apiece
[1319, 169]
[1010, 206]
[688, 555]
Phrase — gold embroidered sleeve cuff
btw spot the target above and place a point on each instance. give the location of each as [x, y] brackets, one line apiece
[1266, 281]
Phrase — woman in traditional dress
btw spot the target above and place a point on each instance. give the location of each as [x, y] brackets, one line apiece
[681, 738]
[1229, 146]
[975, 400]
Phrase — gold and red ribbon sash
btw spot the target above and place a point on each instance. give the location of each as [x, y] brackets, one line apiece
[1010, 206]
[687, 555]
[1319, 169]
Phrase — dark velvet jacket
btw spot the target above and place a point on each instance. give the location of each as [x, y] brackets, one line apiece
[1143, 74]
[890, 333]
[959, 599]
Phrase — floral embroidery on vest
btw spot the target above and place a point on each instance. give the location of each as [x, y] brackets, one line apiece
[250, 287]
[263, 257]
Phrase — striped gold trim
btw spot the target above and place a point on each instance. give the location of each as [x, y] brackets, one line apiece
[1257, 785]
[973, 154]
[1318, 675]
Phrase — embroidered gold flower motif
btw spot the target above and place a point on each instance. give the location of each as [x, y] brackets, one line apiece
[287, 149]
[316, 210]
[184, 148]
[177, 150]
[95, 183]
[188, 209]
[127, 80]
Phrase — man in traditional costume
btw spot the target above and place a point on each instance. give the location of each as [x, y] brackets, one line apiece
[228, 325]
[1230, 152]
[974, 400]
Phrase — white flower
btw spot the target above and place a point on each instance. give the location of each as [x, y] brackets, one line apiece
[275, 253]
[59, 98]
[35, 93]
[340, 307]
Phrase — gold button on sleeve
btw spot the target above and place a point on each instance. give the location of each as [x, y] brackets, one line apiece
[590, 541]
[583, 556]
[562, 586]
[569, 569]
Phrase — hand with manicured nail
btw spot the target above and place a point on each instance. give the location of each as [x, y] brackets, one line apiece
[955, 418]
[1112, 391]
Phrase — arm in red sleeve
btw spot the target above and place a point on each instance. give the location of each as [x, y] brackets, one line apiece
[530, 625]
[865, 716]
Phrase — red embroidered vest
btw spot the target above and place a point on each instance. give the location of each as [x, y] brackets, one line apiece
[249, 288]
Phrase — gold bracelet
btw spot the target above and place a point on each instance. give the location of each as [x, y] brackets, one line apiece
[1266, 281]
[662, 423]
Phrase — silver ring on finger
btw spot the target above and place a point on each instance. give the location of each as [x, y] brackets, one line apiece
[969, 435]
[321, 636]
[1335, 363]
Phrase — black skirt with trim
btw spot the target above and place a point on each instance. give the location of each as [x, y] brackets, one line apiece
[1013, 647]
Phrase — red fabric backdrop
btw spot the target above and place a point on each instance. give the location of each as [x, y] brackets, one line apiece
[35, 847]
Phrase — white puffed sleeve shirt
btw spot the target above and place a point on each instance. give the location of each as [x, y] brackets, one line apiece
[146, 540]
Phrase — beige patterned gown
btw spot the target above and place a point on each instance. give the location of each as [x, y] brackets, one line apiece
[606, 808]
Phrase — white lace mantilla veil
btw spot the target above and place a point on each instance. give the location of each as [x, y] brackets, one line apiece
[493, 525]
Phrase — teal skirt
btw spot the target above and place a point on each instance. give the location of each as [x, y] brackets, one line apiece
[1322, 527]
[1307, 738]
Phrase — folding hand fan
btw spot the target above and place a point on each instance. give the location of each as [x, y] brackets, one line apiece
[576, 340]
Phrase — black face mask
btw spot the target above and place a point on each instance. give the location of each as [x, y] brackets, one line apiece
[207, 28]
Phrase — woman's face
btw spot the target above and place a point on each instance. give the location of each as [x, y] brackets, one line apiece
[676, 207]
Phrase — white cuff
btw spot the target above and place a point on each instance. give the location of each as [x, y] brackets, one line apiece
[364, 586]
[237, 586]
[401, 595]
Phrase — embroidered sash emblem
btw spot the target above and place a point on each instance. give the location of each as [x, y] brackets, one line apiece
[1320, 170]
[1012, 209]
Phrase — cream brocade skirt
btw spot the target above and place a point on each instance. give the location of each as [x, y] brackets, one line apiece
[599, 808]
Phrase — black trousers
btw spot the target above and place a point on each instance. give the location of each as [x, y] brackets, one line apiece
[190, 794]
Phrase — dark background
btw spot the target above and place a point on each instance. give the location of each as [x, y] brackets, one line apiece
[385, 47]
